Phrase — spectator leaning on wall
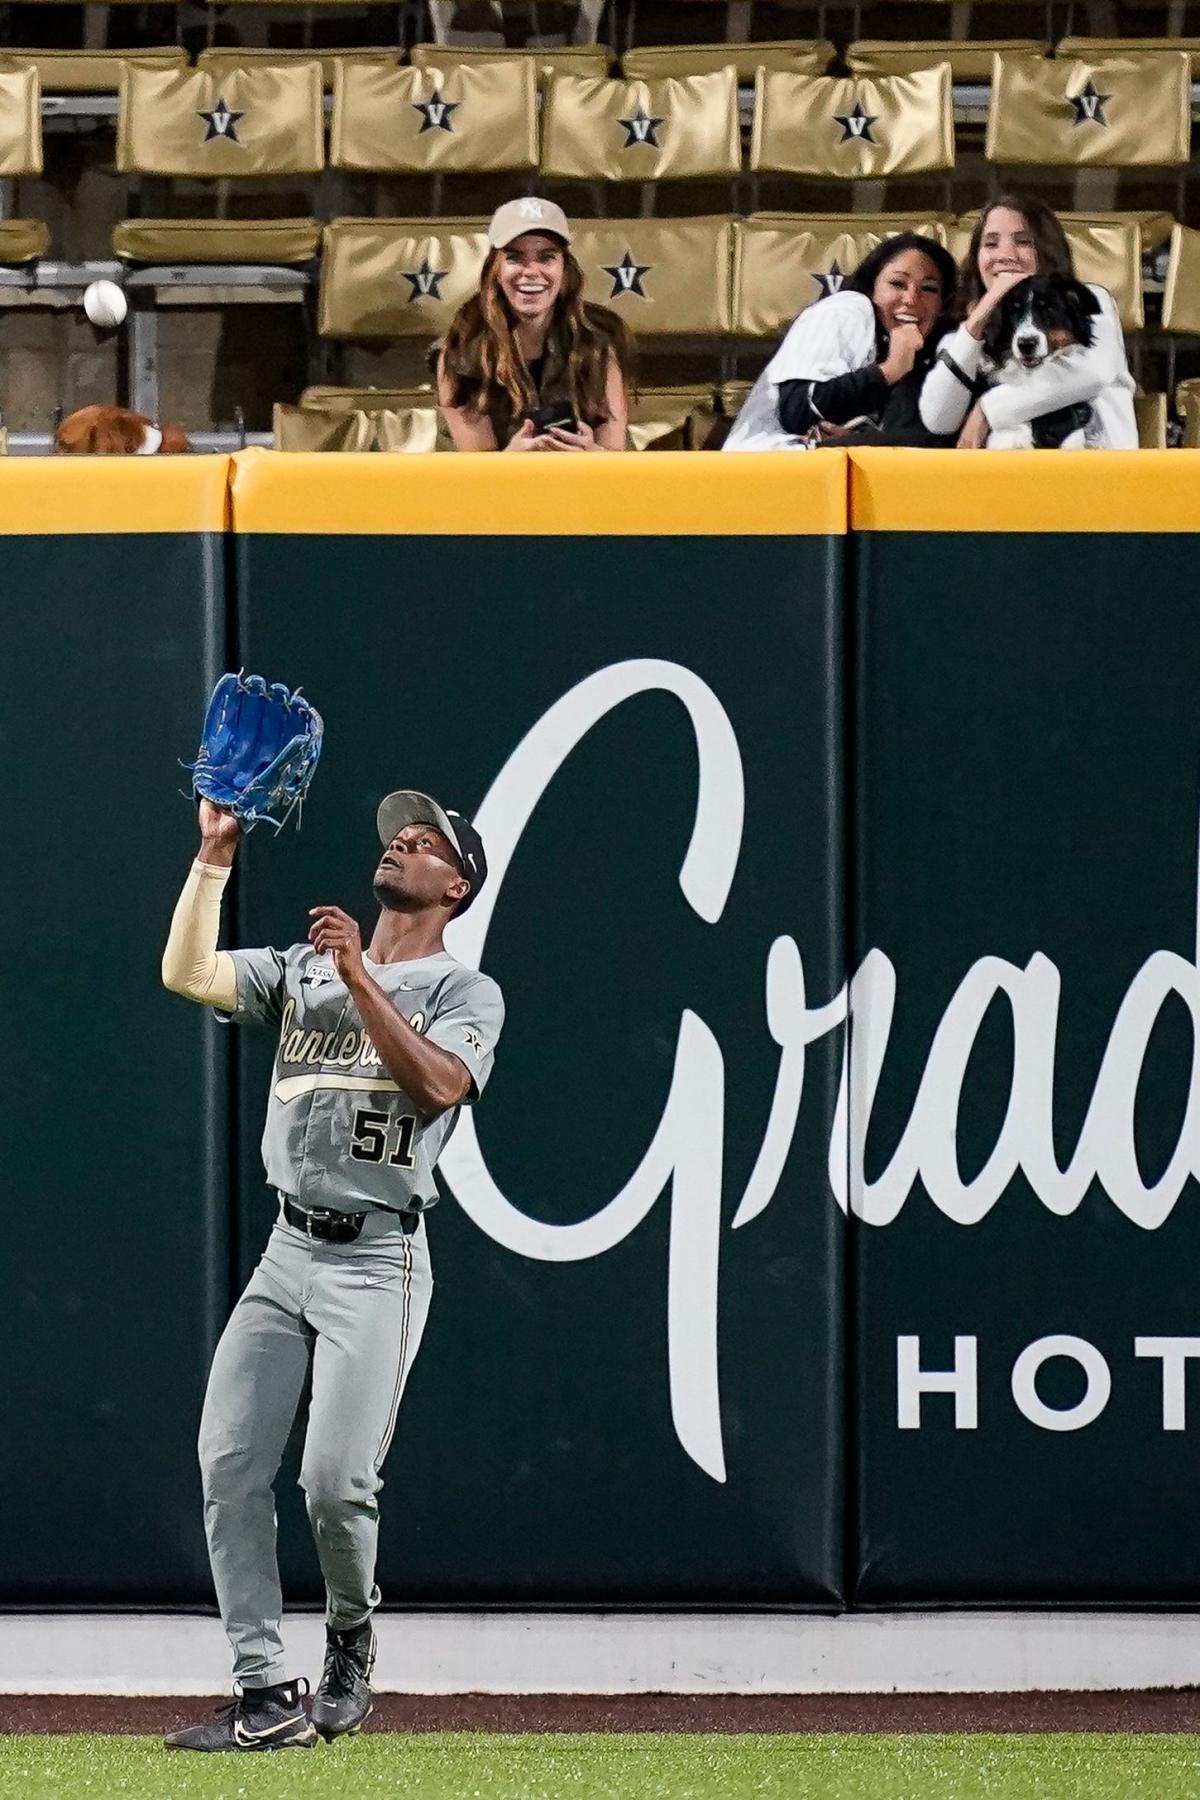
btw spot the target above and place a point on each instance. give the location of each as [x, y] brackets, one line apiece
[527, 363]
[1017, 236]
[851, 366]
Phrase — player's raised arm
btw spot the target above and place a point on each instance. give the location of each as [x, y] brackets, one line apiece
[192, 965]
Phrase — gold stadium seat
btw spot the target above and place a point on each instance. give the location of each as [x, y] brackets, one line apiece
[365, 399]
[275, 241]
[397, 278]
[20, 123]
[3, 441]
[88, 71]
[860, 127]
[1187, 409]
[1106, 248]
[642, 130]
[1116, 112]
[1181, 296]
[970, 59]
[784, 262]
[664, 277]
[650, 62]
[671, 418]
[1121, 46]
[22, 241]
[567, 59]
[1150, 411]
[409, 120]
[299, 429]
[219, 63]
[247, 122]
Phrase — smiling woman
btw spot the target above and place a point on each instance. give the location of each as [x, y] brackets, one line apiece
[527, 363]
[850, 368]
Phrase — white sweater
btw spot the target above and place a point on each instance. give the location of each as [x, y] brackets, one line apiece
[1099, 374]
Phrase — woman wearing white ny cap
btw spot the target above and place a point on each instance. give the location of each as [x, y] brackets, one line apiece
[527, 363]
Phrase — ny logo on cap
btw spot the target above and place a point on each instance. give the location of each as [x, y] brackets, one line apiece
[435, 113]
[221, 123]
[627, 276]
[531, 209]
[425, 281]
[1089, 106]
[856, 124]
[641, 129]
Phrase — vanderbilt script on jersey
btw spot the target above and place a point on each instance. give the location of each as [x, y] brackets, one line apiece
[686, 1153]
[339, 1131]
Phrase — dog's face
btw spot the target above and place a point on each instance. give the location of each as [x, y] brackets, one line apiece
[1040, 317]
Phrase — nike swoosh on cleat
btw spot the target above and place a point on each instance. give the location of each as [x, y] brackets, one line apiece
[258, 1737]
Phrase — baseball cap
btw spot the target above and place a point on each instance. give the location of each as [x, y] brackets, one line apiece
[407, 807]
[516, 217]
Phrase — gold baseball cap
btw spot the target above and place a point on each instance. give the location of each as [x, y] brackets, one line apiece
[516, 217]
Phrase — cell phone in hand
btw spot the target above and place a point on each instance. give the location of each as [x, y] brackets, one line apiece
[554, 412]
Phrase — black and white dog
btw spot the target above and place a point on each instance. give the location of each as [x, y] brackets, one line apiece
[1043, 320]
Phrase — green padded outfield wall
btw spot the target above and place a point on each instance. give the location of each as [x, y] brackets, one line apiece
[630, 1389]
[115, 1241]
[1026, 1244]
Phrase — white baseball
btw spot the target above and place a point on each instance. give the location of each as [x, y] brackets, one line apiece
[105, 304]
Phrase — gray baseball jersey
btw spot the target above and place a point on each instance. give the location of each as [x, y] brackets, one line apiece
[340, 1133]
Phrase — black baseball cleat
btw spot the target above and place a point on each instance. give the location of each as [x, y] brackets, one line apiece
[265, 1718]
[343, 1698]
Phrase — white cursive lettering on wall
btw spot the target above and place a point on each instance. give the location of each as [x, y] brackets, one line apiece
[686, 1152]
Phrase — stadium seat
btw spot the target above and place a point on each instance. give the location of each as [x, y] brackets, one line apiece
[784, 262]
[219, 63]
[20, 124]
[22, 241]
[247, 123]
[969, 59]
[1150, 411]
[853, 128]
[1106, 248]
[88, 71]
[665, 130]
[365, 399]
[650, 62]
[671, 418]
[397, 278]
[1181, 296]
[300, 429]
[410, 120]
[3, 441]
[1103, 112]
[1187, 410]
[567, 59]
[1124, 46]
[667, 277]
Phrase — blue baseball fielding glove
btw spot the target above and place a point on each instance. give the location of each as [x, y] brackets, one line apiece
[258, 749]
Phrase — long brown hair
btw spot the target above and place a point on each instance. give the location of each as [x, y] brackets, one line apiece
[1042, 223]
[484, 363]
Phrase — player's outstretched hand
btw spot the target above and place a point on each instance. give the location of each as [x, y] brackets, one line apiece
[335, 931]
[220, 831]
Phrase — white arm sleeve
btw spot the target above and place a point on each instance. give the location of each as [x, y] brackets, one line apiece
[192, 965]
[1079, 375]
[945, 397]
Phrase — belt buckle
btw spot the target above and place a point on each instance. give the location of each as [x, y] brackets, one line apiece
[308, 1224]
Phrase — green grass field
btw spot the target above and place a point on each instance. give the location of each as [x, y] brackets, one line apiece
[470, 1766]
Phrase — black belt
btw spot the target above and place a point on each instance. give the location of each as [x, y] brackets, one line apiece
[337, 1227]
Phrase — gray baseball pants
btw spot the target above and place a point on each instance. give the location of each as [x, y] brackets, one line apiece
[358, 1311]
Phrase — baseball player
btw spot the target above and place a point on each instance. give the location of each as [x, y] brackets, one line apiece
[377, 1051]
